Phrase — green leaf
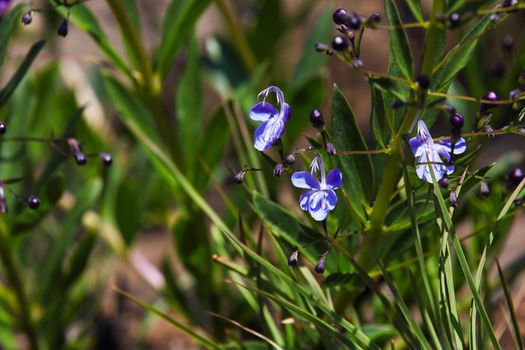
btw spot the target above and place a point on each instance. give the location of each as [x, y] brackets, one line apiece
[133, 12]
[84, 19]
[179, 21]
[400, 59]
[458, 57]
[10, 87]
[512, 310]
[78, 260]
[415, 8]
[380, 121]
[357, 169]
[7, 24]
[189, 105]
[312, 62]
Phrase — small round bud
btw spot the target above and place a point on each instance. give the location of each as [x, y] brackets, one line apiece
[340, 43]
[507, 43]
[278, 170]
[353, 22]
[489, 96]
[290, 159]
[340, 16]
[423, 82]
[484, 189]
[316, 118]
[357, 63]
[518, 201]
[443, 183]
[106, 159]
[80, 158]
[514, 177]
[457, 120]
[63, 28]
[292, 260]
[27, 18]
[239, 177]
[454, 19]
[374, 19]
[453, 199]
[3, 128]
[33, 202]
[319, 267]
[514, 94]
[494, 17]
[330, 149]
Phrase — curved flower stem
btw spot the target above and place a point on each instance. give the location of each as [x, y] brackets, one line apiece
[13, 277]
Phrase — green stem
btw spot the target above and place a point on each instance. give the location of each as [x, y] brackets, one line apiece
[13, 277]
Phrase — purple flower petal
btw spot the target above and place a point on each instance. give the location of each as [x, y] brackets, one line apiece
[460, 146]
[331, 199]
[263, 111]
[303, 179]
[318, 206]
[415, 143]
[305, 199]
[334, 178]
[287, 112]
[268, 133]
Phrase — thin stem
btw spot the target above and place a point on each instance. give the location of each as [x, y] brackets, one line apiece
[375, 151]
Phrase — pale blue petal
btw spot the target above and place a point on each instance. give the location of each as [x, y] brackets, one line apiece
[334, 178]
[318, 208]
[303, 179]
[415, 144]
[460, 146]
[263, 111]
[305, 200]
[268, 133]
[286, 112]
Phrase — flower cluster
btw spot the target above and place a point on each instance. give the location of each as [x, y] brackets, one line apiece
[434, 157]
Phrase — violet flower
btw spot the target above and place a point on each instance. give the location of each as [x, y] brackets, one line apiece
[4, 6]
[435, 156]
[272, 127]
[321, 197]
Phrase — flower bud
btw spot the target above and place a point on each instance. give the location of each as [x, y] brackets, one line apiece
[27, 18]
[278, 170]
[508, 43]
[106, 159]
[423, 81]
[518, 201]
[509, 3]
[33, 202]
[494, 17]
[316, 118]
[239, 177]
[292, 260]
[484, 189]
[330, 149]
[3, 128]
[340, 43]
[290, 159]
[457, 120]
[514, 177]
[63, 28]
[320, 47]
[514, 94]
[374, 19]
[319, 267]
[454, 19]
[3, 200]
[453, 199]
[340, 16]
[80, 158]
[491, 97]
[443, 183]
[353, 22]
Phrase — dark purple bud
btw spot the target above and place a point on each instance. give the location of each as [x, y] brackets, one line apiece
[239, 177]
[106, 159]
[290, 159]
[80, 158]
[509, 3]
[292, 260]
[489, 96]
[27, 18]
[3, 201]
[353, 22]
[330, 149]
[453, 199]
[514, 177]
[63, 28]
[340, 43]
[278, 170]
[319, 267]
[374, 19]
[494, 17]
[454, 19]
[423, 82]
[514, 94]
[507, 43]
[489, 131]
[3, 128]
[518, 201]
[457, 120]
[484, 188]
[443, 183]
[340, 16]
[316, 118]
[33, 202]
[357, 63]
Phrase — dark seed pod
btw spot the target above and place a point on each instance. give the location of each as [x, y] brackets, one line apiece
[340, 43]
[63, 28]
[316, 118]
[374, 19]
[353, 22]
[27, 18]
[33, 202]
[457, 120]
[490, 96]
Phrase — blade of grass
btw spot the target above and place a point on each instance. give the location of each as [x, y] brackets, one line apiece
[508, 297]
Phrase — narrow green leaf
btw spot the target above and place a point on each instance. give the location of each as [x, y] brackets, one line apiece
[357, 169]
[400, 59]
[512, 310]
[7, 24]
[312, 62]
[10, 87]
[179, 21]
[415, 8]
